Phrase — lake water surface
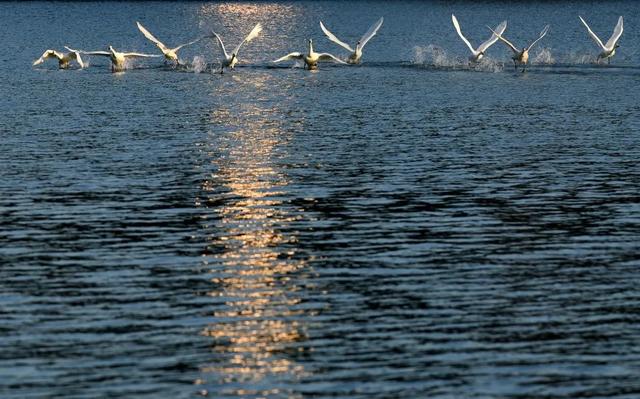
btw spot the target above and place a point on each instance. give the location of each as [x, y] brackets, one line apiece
[406, 228]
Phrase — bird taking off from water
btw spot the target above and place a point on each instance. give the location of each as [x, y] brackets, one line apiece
[118, 59]
[521, 56]
[310, 59]
[64, 59]
[170, 54]
[478, 53]
[609, 49]
[356, 54]
[230, 60]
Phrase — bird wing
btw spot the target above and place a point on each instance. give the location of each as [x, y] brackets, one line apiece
[187, 44]
[617, 32]
[75, 54]
[224, 51]
[149, 36]
[102, 53]
[593, 35]
[45, 55]
[329, 57]
[505, 41]
[494, 38]
[78, 58]
[464, 39]
[290, 56]
[139, 55]
[371, 32]
[543, 33]
[334, 39]
[252, 35]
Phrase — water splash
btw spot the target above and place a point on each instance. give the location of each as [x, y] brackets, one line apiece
[544, 57]
[436, 57]
[297, 64]
[432, 55]
[199, 64]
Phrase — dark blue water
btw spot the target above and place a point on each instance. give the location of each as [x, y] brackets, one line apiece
[407, 228]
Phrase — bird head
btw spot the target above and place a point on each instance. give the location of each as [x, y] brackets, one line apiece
[112, 50]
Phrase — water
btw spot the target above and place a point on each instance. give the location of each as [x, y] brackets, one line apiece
[407, 228]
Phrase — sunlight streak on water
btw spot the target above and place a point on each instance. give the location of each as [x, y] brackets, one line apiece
[255, 332]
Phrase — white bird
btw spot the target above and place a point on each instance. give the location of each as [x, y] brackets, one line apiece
[356, 54]
[310, 59]
[118, 59]
[478, 53]
[230, 60]
[170, 54]
[609, 49]
[521, 56]
[64, 59]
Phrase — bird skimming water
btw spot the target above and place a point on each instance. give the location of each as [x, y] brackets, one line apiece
[311, 58]
[609, 49]
[356, 54]
[478, 53]
[230, 60]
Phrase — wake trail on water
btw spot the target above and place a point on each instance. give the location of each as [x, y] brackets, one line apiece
[579, 58]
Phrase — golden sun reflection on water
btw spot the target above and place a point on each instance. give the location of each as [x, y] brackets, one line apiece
[256, 331]
[244, 9]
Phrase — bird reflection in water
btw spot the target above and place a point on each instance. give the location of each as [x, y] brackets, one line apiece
[257, 274]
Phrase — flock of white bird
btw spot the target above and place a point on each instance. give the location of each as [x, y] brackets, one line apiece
[312, 58]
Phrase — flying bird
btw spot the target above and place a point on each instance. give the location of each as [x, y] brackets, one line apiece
[311, 58]
[64, 59]
[118, 59]
[609, 49]
[170, 54]
[521, 56]
[478, 53]
[356, 55]
[230, 60]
